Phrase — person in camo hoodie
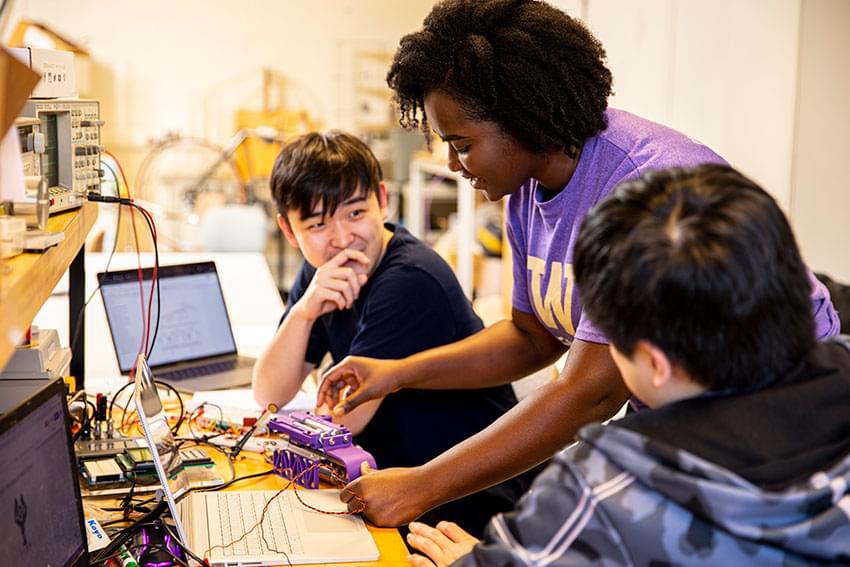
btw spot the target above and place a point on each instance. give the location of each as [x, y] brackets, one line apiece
[695, 277]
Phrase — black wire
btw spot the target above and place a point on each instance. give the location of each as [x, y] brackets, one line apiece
[93, 413]
[115, 397]
[85, 422]
[173, 390]
[124, 535]
[156, 281]
[183, 546]
[205, 438]
[157, 382]
[231, 482]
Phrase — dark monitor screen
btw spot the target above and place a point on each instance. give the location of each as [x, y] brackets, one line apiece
[51, 149]
[41, 513]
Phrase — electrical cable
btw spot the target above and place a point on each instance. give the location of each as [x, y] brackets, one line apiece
[231, 482]
[154, 278]
[158, 383]
[147, 343]
[124, 535]
[185, 549]
[78, 326]
[200, 410]
[128, 201]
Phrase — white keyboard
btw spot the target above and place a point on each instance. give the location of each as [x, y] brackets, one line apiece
[240, 511]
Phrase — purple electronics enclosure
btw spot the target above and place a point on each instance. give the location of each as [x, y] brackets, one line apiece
[312, 439]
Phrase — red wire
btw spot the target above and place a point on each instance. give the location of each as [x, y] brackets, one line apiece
[154, 276]
[142, 345]
[291, 483]
[141, 279]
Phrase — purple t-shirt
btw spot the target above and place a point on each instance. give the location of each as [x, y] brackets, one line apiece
[543, 233]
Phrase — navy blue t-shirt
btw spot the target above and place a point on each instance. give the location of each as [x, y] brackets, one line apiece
[413, 302]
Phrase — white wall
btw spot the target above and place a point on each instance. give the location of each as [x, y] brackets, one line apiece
[186, 65]
[763, 82]
[820, 198]
[723, 72]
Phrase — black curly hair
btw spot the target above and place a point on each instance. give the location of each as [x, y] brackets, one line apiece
[523, 64]
[702, 263]
[324, 169]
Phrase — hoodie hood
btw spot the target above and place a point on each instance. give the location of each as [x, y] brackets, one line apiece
[810, 518]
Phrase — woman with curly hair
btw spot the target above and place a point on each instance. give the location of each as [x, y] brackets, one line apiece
[519, 91]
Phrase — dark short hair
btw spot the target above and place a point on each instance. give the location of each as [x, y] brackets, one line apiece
[323, 168]
[523, 64]
[702, 263]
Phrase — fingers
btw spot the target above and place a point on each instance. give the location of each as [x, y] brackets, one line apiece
[442, 544]
[334, 382]
[354, 259]
[427, 546]
[343, 281]
[349, 255]
[365, 469]
[429, 541]
[428, 532]
[330, 292]
[335, 379]
[419, 561]
[351, 401]
[354, 265]
[344, 275]
[350, 492]
[454, 532]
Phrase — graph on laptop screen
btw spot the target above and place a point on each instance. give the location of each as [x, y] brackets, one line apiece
[193, 322]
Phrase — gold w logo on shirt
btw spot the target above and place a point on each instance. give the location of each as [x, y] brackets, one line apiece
[555, 304]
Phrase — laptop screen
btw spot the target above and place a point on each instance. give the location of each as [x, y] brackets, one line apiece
[42, 519]
[193, 322]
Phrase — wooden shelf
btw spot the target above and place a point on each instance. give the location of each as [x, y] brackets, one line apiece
[27, 280]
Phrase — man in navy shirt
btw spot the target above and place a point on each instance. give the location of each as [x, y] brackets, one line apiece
[370, 288]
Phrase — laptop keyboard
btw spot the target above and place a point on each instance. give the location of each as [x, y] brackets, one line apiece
[204, 369]
[239, 512]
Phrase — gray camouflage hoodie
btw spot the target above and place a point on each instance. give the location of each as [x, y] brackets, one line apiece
[620, 497]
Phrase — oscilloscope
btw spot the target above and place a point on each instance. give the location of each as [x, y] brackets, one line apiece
[72, 148]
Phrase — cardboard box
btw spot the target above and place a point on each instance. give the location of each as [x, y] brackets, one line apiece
[58, 78]
[16, 83]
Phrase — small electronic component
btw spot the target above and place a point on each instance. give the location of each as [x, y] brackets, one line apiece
[87, 449]
[139, 461]
[315, 439]
[195, 457]
[97, 471]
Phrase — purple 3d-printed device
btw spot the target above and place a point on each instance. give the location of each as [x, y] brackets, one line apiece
[316, 439]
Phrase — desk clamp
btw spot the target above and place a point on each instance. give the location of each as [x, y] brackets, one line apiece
[315, 439]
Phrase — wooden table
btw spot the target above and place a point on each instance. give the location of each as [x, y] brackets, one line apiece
[390, 544]
[28, 279]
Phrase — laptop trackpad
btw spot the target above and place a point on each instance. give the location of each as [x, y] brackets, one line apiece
[235, 378]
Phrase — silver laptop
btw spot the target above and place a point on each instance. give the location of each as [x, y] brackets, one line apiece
[194, 348]
[209, 523]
